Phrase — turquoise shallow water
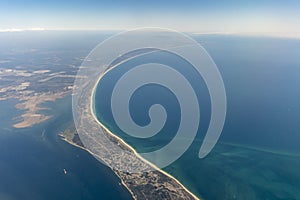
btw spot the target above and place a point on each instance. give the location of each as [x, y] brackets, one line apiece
[31, 164]
[257, 156]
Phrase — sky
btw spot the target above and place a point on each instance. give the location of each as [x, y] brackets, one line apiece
[270, 17]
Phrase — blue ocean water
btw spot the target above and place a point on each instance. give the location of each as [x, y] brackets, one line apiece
[261, 80]
[258, 155]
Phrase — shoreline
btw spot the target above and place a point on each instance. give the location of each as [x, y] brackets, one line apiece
[127, 145]
[148, 162]
[62, 137]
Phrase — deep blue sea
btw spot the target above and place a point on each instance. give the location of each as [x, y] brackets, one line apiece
[258, 154]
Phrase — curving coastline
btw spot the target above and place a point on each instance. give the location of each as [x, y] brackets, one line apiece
[142, 178]
[121, 142]
[171, 185]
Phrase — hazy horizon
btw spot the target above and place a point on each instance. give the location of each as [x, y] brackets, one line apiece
[272, 18]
